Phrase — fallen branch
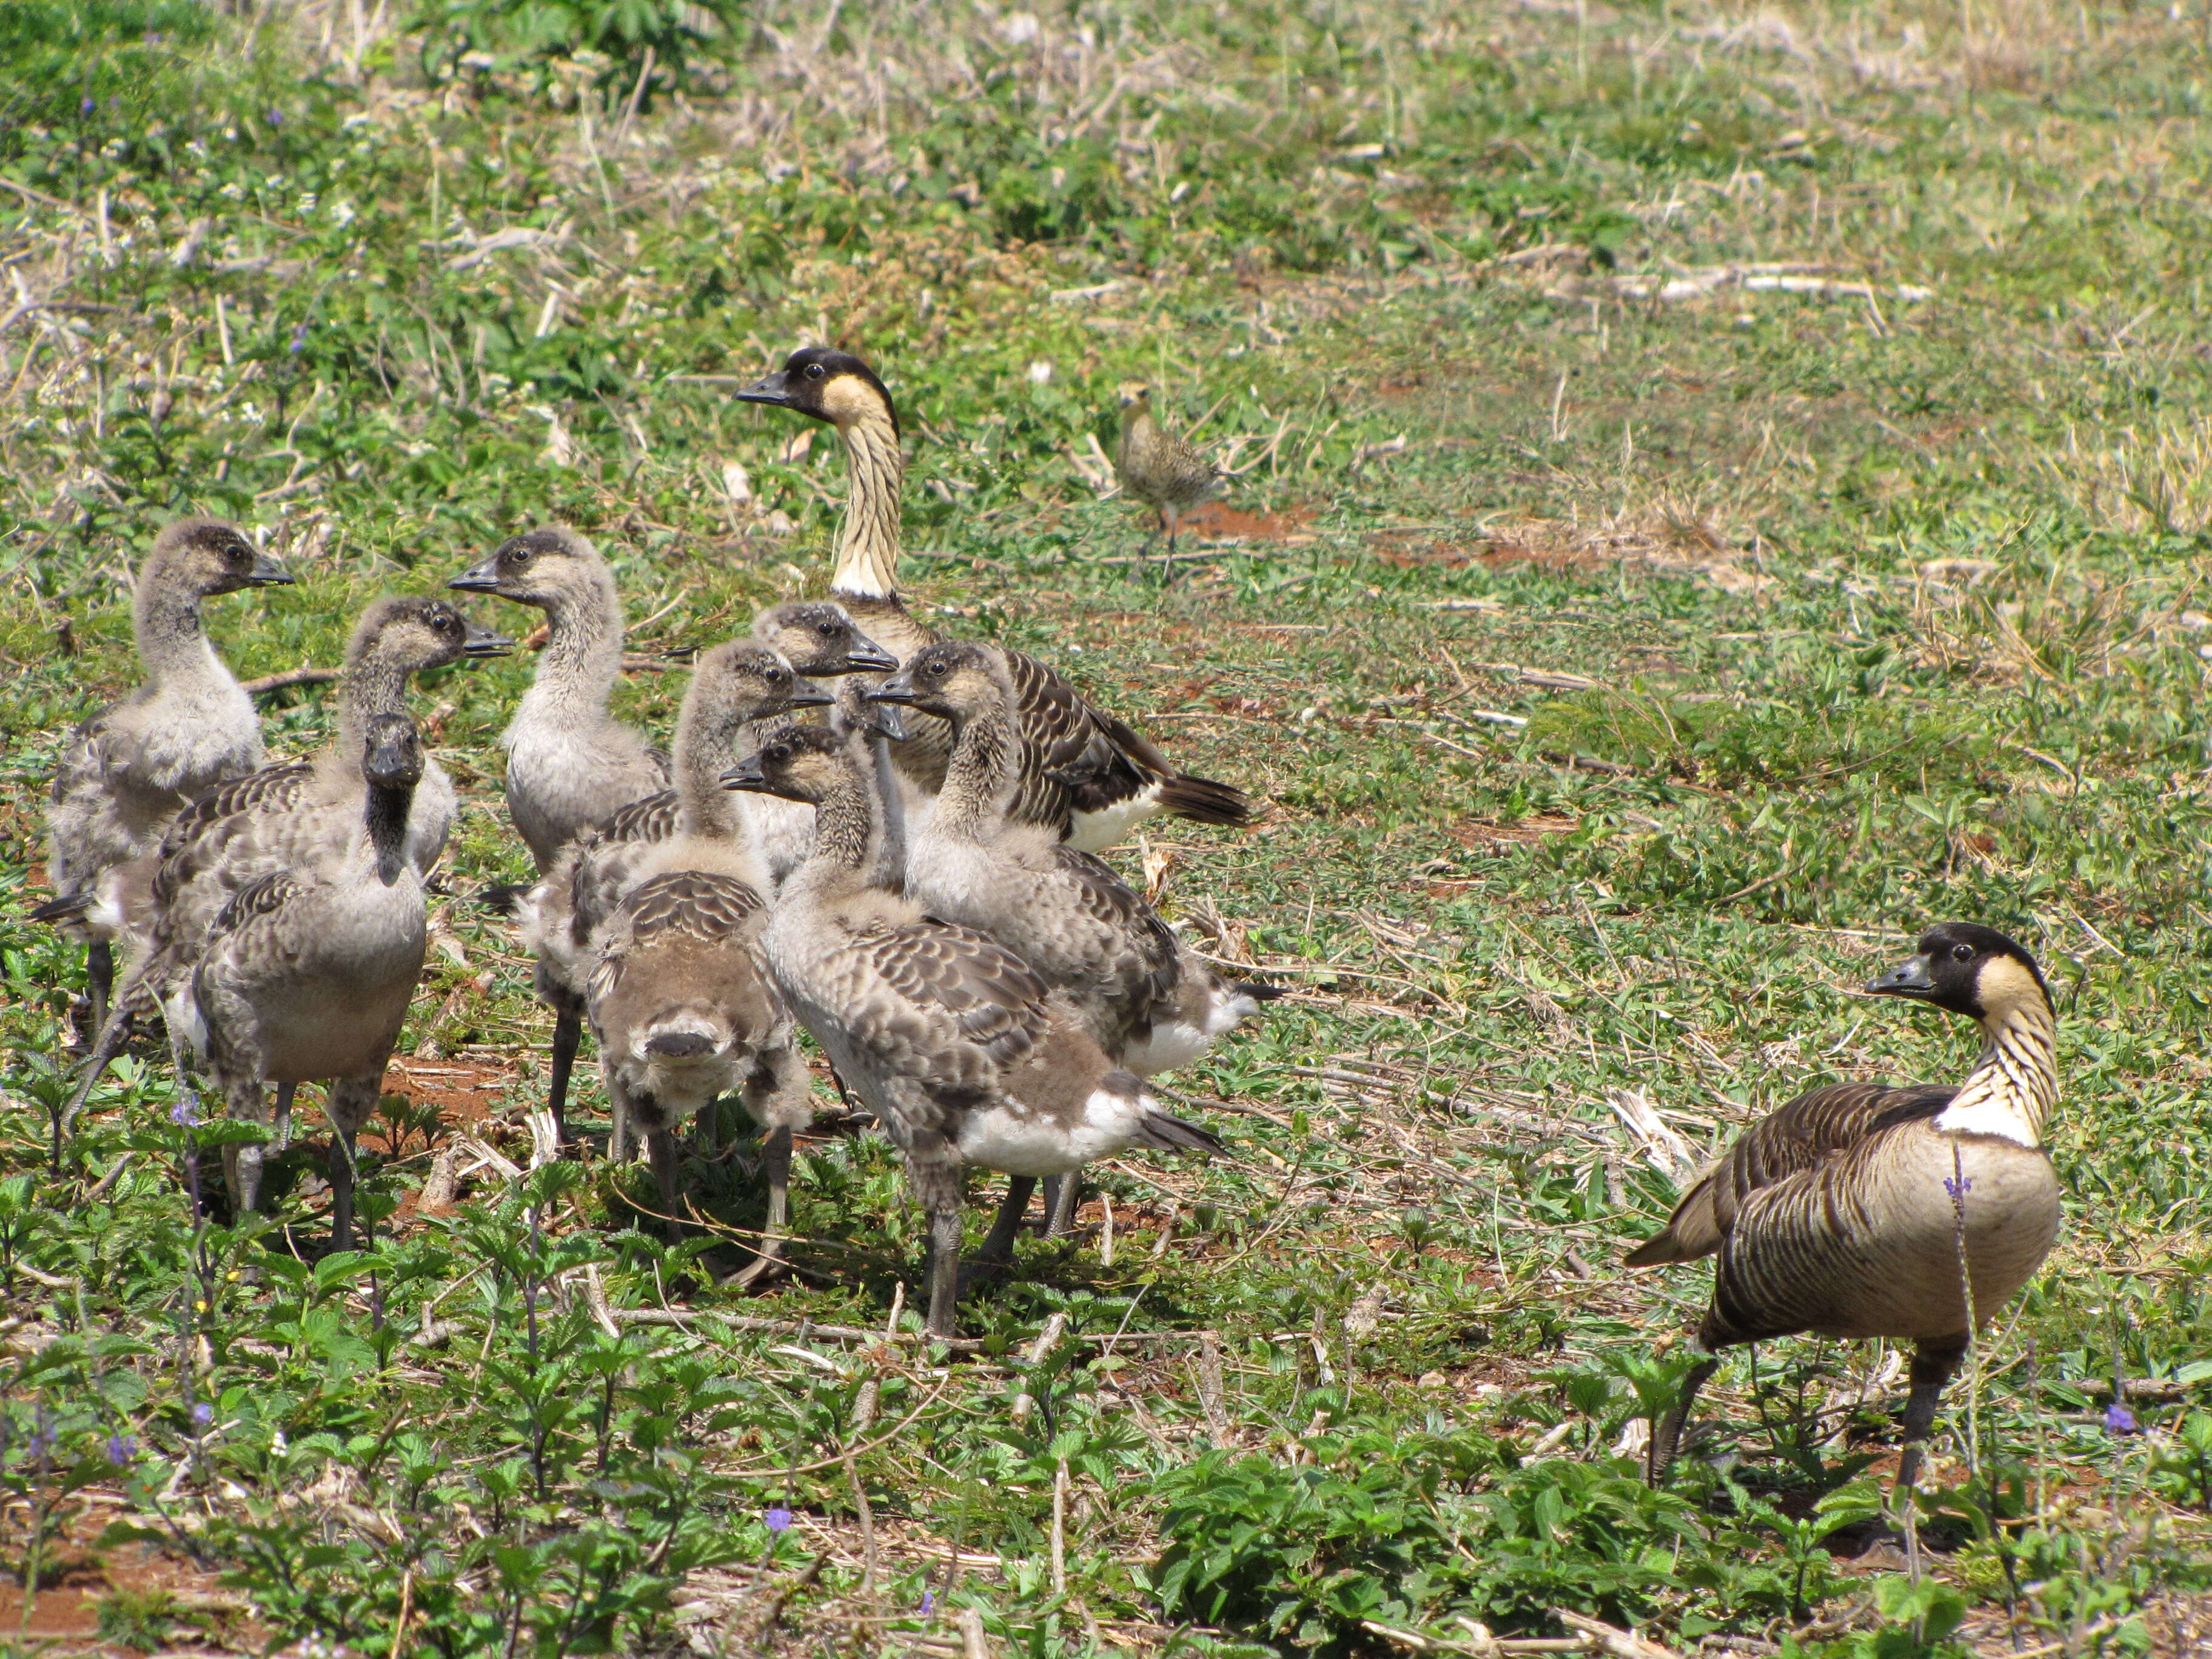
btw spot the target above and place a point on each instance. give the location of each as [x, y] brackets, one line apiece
[290, 678]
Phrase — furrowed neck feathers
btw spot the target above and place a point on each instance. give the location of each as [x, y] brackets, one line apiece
[2015, 1082]
[849, 836]
[868, 540]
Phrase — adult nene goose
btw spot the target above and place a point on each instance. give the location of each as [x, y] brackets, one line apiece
[1846, 1211]
[679, 1004]
[1085, 773]
[560, 917]
[962, 1053]
[570, 764]
[307, 972]
[127, 771]
[283, 817]
[1157, 466]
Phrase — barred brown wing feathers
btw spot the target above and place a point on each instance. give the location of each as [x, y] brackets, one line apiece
[262, 897]
[988, 996]
[1792, 1139]
[651, 818]
[700, 903]
[1102, 896]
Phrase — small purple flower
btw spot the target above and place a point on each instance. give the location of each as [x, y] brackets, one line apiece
[2118, 1419]
[183, 1114]
[89, 105]
[1959, 1187]
[202, 1413]
[121, 1449]
[928, 1602]
[299, 338]
[777, 1520]
[274, 117]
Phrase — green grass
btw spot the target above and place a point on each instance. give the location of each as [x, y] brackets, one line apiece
[1818, 616]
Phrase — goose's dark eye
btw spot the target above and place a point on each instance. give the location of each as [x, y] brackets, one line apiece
[447, 625]
[827, 630]
[814, 371]
[1962, 952]
[776, 677]
[937, 669]
[777, 754]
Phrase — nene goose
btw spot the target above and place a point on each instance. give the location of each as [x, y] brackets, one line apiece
[560, 917]
[128, 770]
[1084, 774]
[281, 817]
[678, 1004]
[1158, 467]
[961, 1051]
[1844, 1213]
[570, 764]
[306, 973]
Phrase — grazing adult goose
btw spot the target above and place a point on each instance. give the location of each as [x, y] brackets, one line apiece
[561, 916]
[679, 1004]
[570, 764]
[1842, 1212]
[307, 972]
[1146, 999]
[1158, 467]
[127, 771]
[283, 817]
[1085, 773]
[961, 1051]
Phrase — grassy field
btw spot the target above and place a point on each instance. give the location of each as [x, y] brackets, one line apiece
[1716, 490]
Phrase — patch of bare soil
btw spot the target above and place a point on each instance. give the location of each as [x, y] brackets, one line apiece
[166, 1597]
[463, 1091]
[1479, 835]
[1218, 521]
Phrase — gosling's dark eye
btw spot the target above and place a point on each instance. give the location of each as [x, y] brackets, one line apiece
[776, 677]
[1962, 952]
[814, 371]
[827, 630]
[937, 669]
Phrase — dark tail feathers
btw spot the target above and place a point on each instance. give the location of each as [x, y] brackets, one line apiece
[679, 1045]
[1163, 1134]
[1258, 992]
[66, 908]
[1205, 801]
[502, 897]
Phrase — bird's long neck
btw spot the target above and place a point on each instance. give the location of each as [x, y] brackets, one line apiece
[704, 750]
[583, 653]
[375, 683]
[2015, 1082]
[982, 776]
[172, 642]
[385, 817]
[848, 840]
[868, 540]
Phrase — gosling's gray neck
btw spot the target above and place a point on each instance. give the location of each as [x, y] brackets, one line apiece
[848, 841]
[166, 621]
[981, 779]
[582, 657]
[704, 747]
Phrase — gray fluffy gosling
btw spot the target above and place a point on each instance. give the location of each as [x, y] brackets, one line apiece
[307, 972]
[127, 771]
[962, 1053]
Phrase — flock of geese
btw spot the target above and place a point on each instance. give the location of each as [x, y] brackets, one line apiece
[887, 838]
